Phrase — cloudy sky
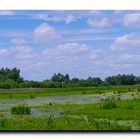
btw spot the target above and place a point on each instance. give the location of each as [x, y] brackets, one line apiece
[81, 43]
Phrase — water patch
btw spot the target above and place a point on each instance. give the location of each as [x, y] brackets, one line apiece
[39, 112]
[38, 101]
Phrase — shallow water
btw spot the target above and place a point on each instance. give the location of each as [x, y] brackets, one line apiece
[38, 112]
[38, 101]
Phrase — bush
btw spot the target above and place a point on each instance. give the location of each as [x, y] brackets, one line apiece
[109, 104]
[129, 107]
[21, 110]
[32, 96]
[50, 103]
[7, 84]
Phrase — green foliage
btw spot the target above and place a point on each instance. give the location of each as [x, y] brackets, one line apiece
[60, 78]
[60, 123]
[30, 84]
[32, 96]
[101, 124]
[121, 79]
[13, 74]
[109, 104]
[50, 103]
[51, 84]
[51, 122]
[20, 110]
[3, 123]
[10, 78]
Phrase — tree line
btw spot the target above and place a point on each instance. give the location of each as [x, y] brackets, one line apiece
[10, 78]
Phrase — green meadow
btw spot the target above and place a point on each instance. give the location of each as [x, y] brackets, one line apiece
[100, 108]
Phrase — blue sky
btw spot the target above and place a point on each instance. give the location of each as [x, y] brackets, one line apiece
[81, 43]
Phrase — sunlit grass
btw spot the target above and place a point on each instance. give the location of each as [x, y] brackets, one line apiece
[21, 110]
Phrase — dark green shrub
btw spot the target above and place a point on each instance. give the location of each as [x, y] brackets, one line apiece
[129, 107]
[3, 122]
[21, 110]
[51, 122]
[32, 96]
[132, 94]
[10, 96]
[109, 104]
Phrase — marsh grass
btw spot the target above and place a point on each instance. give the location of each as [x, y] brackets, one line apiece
[25, 93]
[10, 96]
[50, 103]
[3, 123]
[51, 122]
[129, 106]
[102, 115]
[60, 123]
[21, 110]
[132, 95]
[107, 124]
[32, 96]
[109, 104]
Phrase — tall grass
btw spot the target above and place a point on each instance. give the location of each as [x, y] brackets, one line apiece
[60, 123]
[109, 104]
[21, 110]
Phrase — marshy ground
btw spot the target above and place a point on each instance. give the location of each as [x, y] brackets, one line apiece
[92, 108]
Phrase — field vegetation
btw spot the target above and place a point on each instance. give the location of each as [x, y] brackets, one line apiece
[74, 104]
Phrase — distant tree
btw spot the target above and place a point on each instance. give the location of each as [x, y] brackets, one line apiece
[94, 81]
[138, 80]
[13, 74]
[51, 84]
[58, 78]
[121, 79]
[75, 80]
[66, 78]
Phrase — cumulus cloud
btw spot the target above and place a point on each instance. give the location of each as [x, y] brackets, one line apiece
[18, 41]
[125, 53]
[4, 53]
[67, 19]
[67, 51]
[130, 57]
[44, 33]
[102, 23]
[128, 42]
[67, 57]
[132, 20]
[18, 50]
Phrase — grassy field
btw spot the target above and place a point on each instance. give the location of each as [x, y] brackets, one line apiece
[91, 108]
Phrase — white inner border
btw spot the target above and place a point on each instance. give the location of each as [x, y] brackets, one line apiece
[70, 4]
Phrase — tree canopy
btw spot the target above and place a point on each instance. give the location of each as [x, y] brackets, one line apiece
[10, 78]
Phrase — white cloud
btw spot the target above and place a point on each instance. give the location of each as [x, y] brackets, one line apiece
[102, 23]
[132, 20]
[67, 57]
[4, 53]
[23, 52]
[6, 12]
[18, 50]
[127, 42]
[130, 57]
[67, 19]
[70, 18]
[90, 38]
[14, 33]
[18, 41]
[67, 51]
[44, 33]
